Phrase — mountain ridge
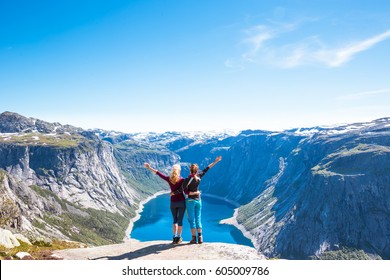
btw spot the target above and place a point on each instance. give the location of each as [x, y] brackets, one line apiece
[292, 185]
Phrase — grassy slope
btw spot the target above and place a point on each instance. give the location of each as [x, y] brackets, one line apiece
[90, 226]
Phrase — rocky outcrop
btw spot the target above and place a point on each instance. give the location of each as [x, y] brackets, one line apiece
[22, 238]
[7, 239]
[23, 256]
[86, 175]
[13, 123]
[162, 250]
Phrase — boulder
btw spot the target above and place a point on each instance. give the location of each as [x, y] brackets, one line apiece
[7, 239]
[22, 238]
[23, 256]
[41, 241]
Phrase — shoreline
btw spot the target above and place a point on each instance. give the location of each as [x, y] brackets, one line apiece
[138, 213]
[233, 221]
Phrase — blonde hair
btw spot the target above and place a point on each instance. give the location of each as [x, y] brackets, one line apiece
[175, 174]
[194, 168]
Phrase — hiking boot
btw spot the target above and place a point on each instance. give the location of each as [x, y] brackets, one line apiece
[200, 239]
[175, 239]
[193, 240]
[179, 240]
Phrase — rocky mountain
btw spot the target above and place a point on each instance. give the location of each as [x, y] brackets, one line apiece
[323, 189]
[14, 123]
[64, 182]
[303, 192]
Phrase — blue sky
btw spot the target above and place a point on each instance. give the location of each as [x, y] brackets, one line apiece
[195, 65]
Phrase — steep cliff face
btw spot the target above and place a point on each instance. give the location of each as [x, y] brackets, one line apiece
[131, 156]
[71, 184]
[333, 192]
[248, 165]
[86, 174]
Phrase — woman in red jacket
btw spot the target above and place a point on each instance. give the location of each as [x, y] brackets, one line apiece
[178, 204]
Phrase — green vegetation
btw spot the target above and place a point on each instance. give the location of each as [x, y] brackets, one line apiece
[323, 171]
[344, 253]
[362, 148]
[352, 161]
[38, 224]
[143, 185]
[2, 175]
[37, 252]
[39, 139]
[8, 210]
[127, 157]
[45, 193]
[258, 211]
[96, 227]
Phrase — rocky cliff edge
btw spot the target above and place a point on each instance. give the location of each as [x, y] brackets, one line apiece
[162, 250]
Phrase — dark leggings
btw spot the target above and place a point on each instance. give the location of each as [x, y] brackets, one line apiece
[178, 209]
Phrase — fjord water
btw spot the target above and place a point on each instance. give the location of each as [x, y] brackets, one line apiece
[156, 222]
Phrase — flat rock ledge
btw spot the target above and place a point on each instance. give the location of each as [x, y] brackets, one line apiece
[162, 250]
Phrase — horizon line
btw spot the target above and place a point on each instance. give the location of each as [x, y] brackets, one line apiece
[219, 130]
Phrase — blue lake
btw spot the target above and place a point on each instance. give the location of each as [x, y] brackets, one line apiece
[156, 222]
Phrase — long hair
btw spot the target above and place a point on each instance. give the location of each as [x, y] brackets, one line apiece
[194, 168]
[175, 174]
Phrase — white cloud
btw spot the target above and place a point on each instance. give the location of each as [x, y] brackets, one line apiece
[257, 37]
[364, 94]
[261, 46]
[338, 57]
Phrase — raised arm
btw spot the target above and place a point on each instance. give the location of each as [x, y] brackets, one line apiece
[155, 171]
[147, 165]
[217, 159]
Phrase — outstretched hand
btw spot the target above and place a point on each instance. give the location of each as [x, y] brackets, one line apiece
[147, 165]
[217, 159]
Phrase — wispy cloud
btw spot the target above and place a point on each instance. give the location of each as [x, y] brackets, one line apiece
[338, 57]
[234, 65]
[257, 37]
[267, 44]
[364, 94]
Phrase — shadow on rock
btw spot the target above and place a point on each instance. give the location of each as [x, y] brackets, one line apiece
[150, 250]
